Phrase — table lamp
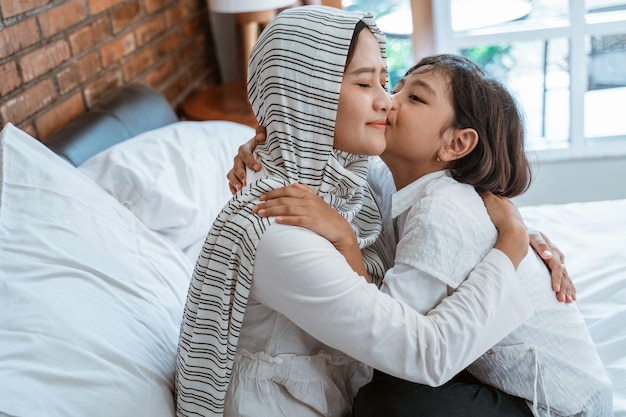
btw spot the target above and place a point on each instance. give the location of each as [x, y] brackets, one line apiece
[251, 15]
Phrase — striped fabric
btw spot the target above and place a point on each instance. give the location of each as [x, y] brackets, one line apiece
[294, 79]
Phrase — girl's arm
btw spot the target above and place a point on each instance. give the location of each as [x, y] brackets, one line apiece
[552, 256]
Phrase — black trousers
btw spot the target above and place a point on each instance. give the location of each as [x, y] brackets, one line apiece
[463, 396]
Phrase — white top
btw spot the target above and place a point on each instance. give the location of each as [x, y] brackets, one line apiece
[549, 360]
[329, 305]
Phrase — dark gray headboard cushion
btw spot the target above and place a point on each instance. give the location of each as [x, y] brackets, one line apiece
[127, 112]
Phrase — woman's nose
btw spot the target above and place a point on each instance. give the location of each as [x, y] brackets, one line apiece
[384, 101]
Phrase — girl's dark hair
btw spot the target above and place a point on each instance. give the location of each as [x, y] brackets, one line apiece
[498, 163]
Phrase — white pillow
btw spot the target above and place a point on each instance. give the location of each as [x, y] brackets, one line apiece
[90, 299]
[173, 178]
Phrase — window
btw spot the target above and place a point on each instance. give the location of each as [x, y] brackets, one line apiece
[564, 60]
[393, 18]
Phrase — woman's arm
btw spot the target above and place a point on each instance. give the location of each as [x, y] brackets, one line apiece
[302, 276]
[299, 206]
[513, 237]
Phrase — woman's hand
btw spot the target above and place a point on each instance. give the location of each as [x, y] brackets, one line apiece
[513, 237]
[297, 205]
[237, 175]
[555, 261]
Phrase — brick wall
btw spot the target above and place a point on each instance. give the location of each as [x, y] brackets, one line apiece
[58, 57]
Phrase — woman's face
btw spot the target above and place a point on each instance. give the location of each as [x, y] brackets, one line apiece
[421, 112]
[363, 101]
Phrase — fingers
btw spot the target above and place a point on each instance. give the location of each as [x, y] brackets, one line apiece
[237, 175]
[541, 244]
[294, 191]
[260, 135]
[555, 260]
[292, 201]
[246, 156]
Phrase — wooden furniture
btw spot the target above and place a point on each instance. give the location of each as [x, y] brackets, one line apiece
[332, 3]
[251, 16]
[252, 23]
[221, 102]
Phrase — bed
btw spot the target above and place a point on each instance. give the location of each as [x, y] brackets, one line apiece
[99, 231]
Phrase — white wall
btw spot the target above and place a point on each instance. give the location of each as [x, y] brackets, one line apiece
[576, 180]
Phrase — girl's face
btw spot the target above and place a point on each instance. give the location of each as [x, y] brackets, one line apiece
[418, 124]
[363, 102]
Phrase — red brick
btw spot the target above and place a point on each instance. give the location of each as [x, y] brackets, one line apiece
[78, 72]
[199, 68]
[10, 78]
[59, 115]
[62, 17]
[123, 17]
[158, 76]
[113, 51]
[149, 30]
[187, 53]
[44, 59]
[97, 6]
[29, 129]
[174, 92]
[166, 45]
[88, 36]
[195, 6]
[137, 64]
[17, 37]
[21, 107]
[12, 8]
[175, 15]
[154, 5]
[192, 27]
[103, 86]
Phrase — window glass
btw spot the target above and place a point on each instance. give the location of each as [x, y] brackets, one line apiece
[606, 88]
[394, 19]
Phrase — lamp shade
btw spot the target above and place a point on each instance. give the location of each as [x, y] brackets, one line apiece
[245, 6]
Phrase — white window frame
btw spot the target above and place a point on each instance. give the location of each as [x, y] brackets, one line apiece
[575, 28]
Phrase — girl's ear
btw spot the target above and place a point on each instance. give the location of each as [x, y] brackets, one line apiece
[463, 142]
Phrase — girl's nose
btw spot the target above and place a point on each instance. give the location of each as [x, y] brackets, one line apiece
[394, 101]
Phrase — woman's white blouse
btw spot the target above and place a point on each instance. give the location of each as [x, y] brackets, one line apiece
[322, 307]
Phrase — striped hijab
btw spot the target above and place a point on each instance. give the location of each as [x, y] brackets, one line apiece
[294, 78]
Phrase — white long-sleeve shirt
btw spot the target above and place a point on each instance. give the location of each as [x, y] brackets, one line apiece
[550, 360]
[306, 301]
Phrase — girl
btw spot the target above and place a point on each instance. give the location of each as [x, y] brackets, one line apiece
[276, 321]
[454, 132]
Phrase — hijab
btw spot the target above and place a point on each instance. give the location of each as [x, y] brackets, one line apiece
[294, 78]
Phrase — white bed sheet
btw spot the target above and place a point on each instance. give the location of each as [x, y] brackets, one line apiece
[592, 236]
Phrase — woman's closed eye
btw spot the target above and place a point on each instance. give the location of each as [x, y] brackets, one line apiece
[413, 97]
[368, 85]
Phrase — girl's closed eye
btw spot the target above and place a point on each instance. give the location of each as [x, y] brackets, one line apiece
[413, 97]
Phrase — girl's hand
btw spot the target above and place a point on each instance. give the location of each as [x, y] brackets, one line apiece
[297, 205]
[513, 237]
[555, 261]
[237, 175]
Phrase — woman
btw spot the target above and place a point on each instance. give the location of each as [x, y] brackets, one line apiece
[276, 320]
